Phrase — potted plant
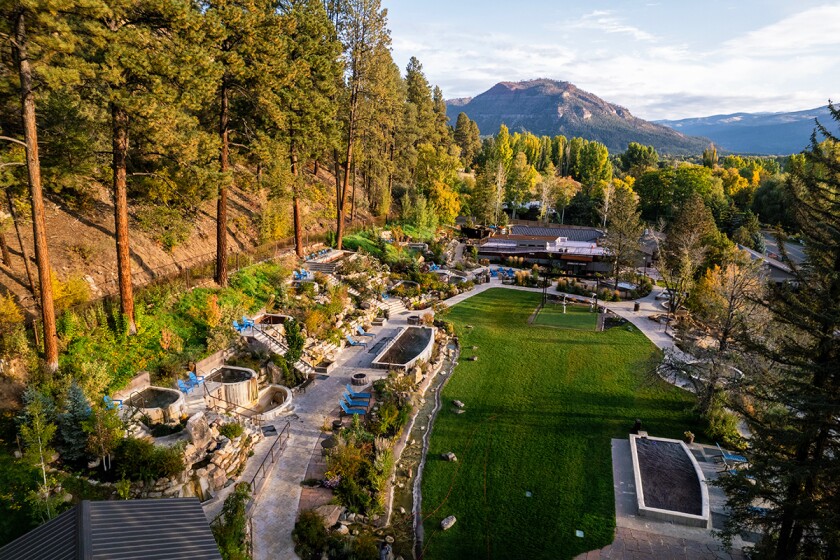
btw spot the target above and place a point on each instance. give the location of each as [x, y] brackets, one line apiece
[689, 437]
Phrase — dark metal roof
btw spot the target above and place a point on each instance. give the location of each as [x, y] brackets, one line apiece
[162, 529]
[572, 233]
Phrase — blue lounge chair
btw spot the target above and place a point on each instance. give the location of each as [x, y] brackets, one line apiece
[111, 403]
[352, 342]
[355, 404]
[356, 395]
[246, 322]
[362, 332]
[196, 380]
[357, 398]
[348, 410]
[239, 328]
[730, 457]
[385, 296]
[184, 387]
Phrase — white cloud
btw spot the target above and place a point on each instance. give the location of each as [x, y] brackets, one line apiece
[606, 21]
[806, 31]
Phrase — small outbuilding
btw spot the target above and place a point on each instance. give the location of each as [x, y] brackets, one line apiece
[163, 529]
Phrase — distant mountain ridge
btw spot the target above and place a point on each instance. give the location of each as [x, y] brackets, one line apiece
[755, 133]
[549, 107]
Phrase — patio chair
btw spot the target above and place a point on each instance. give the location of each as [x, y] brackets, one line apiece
[196, 380]
[239, 328]
[354, 411]
[352, 342]
[356, 395]
[111, 403]
[362, 332]
[184, 387]
[355, 404]
[730, 457]
[247, 323]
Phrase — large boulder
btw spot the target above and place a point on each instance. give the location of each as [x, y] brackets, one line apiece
[198, 430]
[448, 522]
[330, 513]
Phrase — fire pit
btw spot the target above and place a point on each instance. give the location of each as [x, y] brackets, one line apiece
[359, 379]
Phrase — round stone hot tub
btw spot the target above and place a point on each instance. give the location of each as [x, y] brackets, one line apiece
[235, 385]
[158, 404]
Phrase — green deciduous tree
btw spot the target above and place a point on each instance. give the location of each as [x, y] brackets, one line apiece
[104, 431]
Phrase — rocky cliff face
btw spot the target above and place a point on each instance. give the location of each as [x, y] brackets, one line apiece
[548, 107]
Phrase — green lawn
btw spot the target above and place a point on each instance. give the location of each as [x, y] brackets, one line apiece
[576, 317]
[541, 407]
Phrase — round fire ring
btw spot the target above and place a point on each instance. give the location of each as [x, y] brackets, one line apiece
[359, 379]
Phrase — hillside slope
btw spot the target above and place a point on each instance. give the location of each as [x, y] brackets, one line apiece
[548, 107]
[755, 133]
[81, 240]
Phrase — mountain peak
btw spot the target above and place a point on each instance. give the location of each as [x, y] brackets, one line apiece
[551, 107]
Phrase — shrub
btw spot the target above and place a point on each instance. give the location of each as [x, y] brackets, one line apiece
[723, 425]
[231, 535]
[353, 496]
[139, 459]
[309, 535]
[231, 430]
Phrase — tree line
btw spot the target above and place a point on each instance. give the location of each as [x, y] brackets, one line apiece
[173, 102]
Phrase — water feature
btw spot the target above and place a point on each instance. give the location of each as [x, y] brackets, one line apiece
[158, 404]
[670, 485]
[411, 345]
[235, 385]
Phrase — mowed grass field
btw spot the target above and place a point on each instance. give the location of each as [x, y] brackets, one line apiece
[541, 407]
[576, 317]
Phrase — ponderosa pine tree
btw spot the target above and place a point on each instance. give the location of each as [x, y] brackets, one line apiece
[144, 73]
[307, 103]
[468, 138]
[362, 30]
[624, 232]
[792, 382]
[25, 28]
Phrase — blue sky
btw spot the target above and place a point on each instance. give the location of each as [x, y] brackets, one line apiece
[659, 58]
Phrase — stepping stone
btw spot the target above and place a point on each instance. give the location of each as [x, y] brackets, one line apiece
[448, 522]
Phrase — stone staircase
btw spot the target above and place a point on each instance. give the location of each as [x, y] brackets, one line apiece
[279, 347]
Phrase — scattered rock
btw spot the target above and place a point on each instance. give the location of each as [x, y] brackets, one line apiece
[474, 347]
[355, 532]
[448, 522]
[402, 510]
[458, 410]
[528, 494]
[473, 358]
[330, 513]
[389, 539]
[342, 530]
[458, 403]
[450, 457]
[351, 517]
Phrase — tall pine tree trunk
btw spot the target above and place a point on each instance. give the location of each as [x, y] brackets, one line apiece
[221, 203]
[296, 201]
[348, 162]
[353, 195]
[119, 122]
[33, 166]
[339, 211]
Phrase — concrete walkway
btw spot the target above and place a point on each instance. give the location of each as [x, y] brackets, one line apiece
[276, 511]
